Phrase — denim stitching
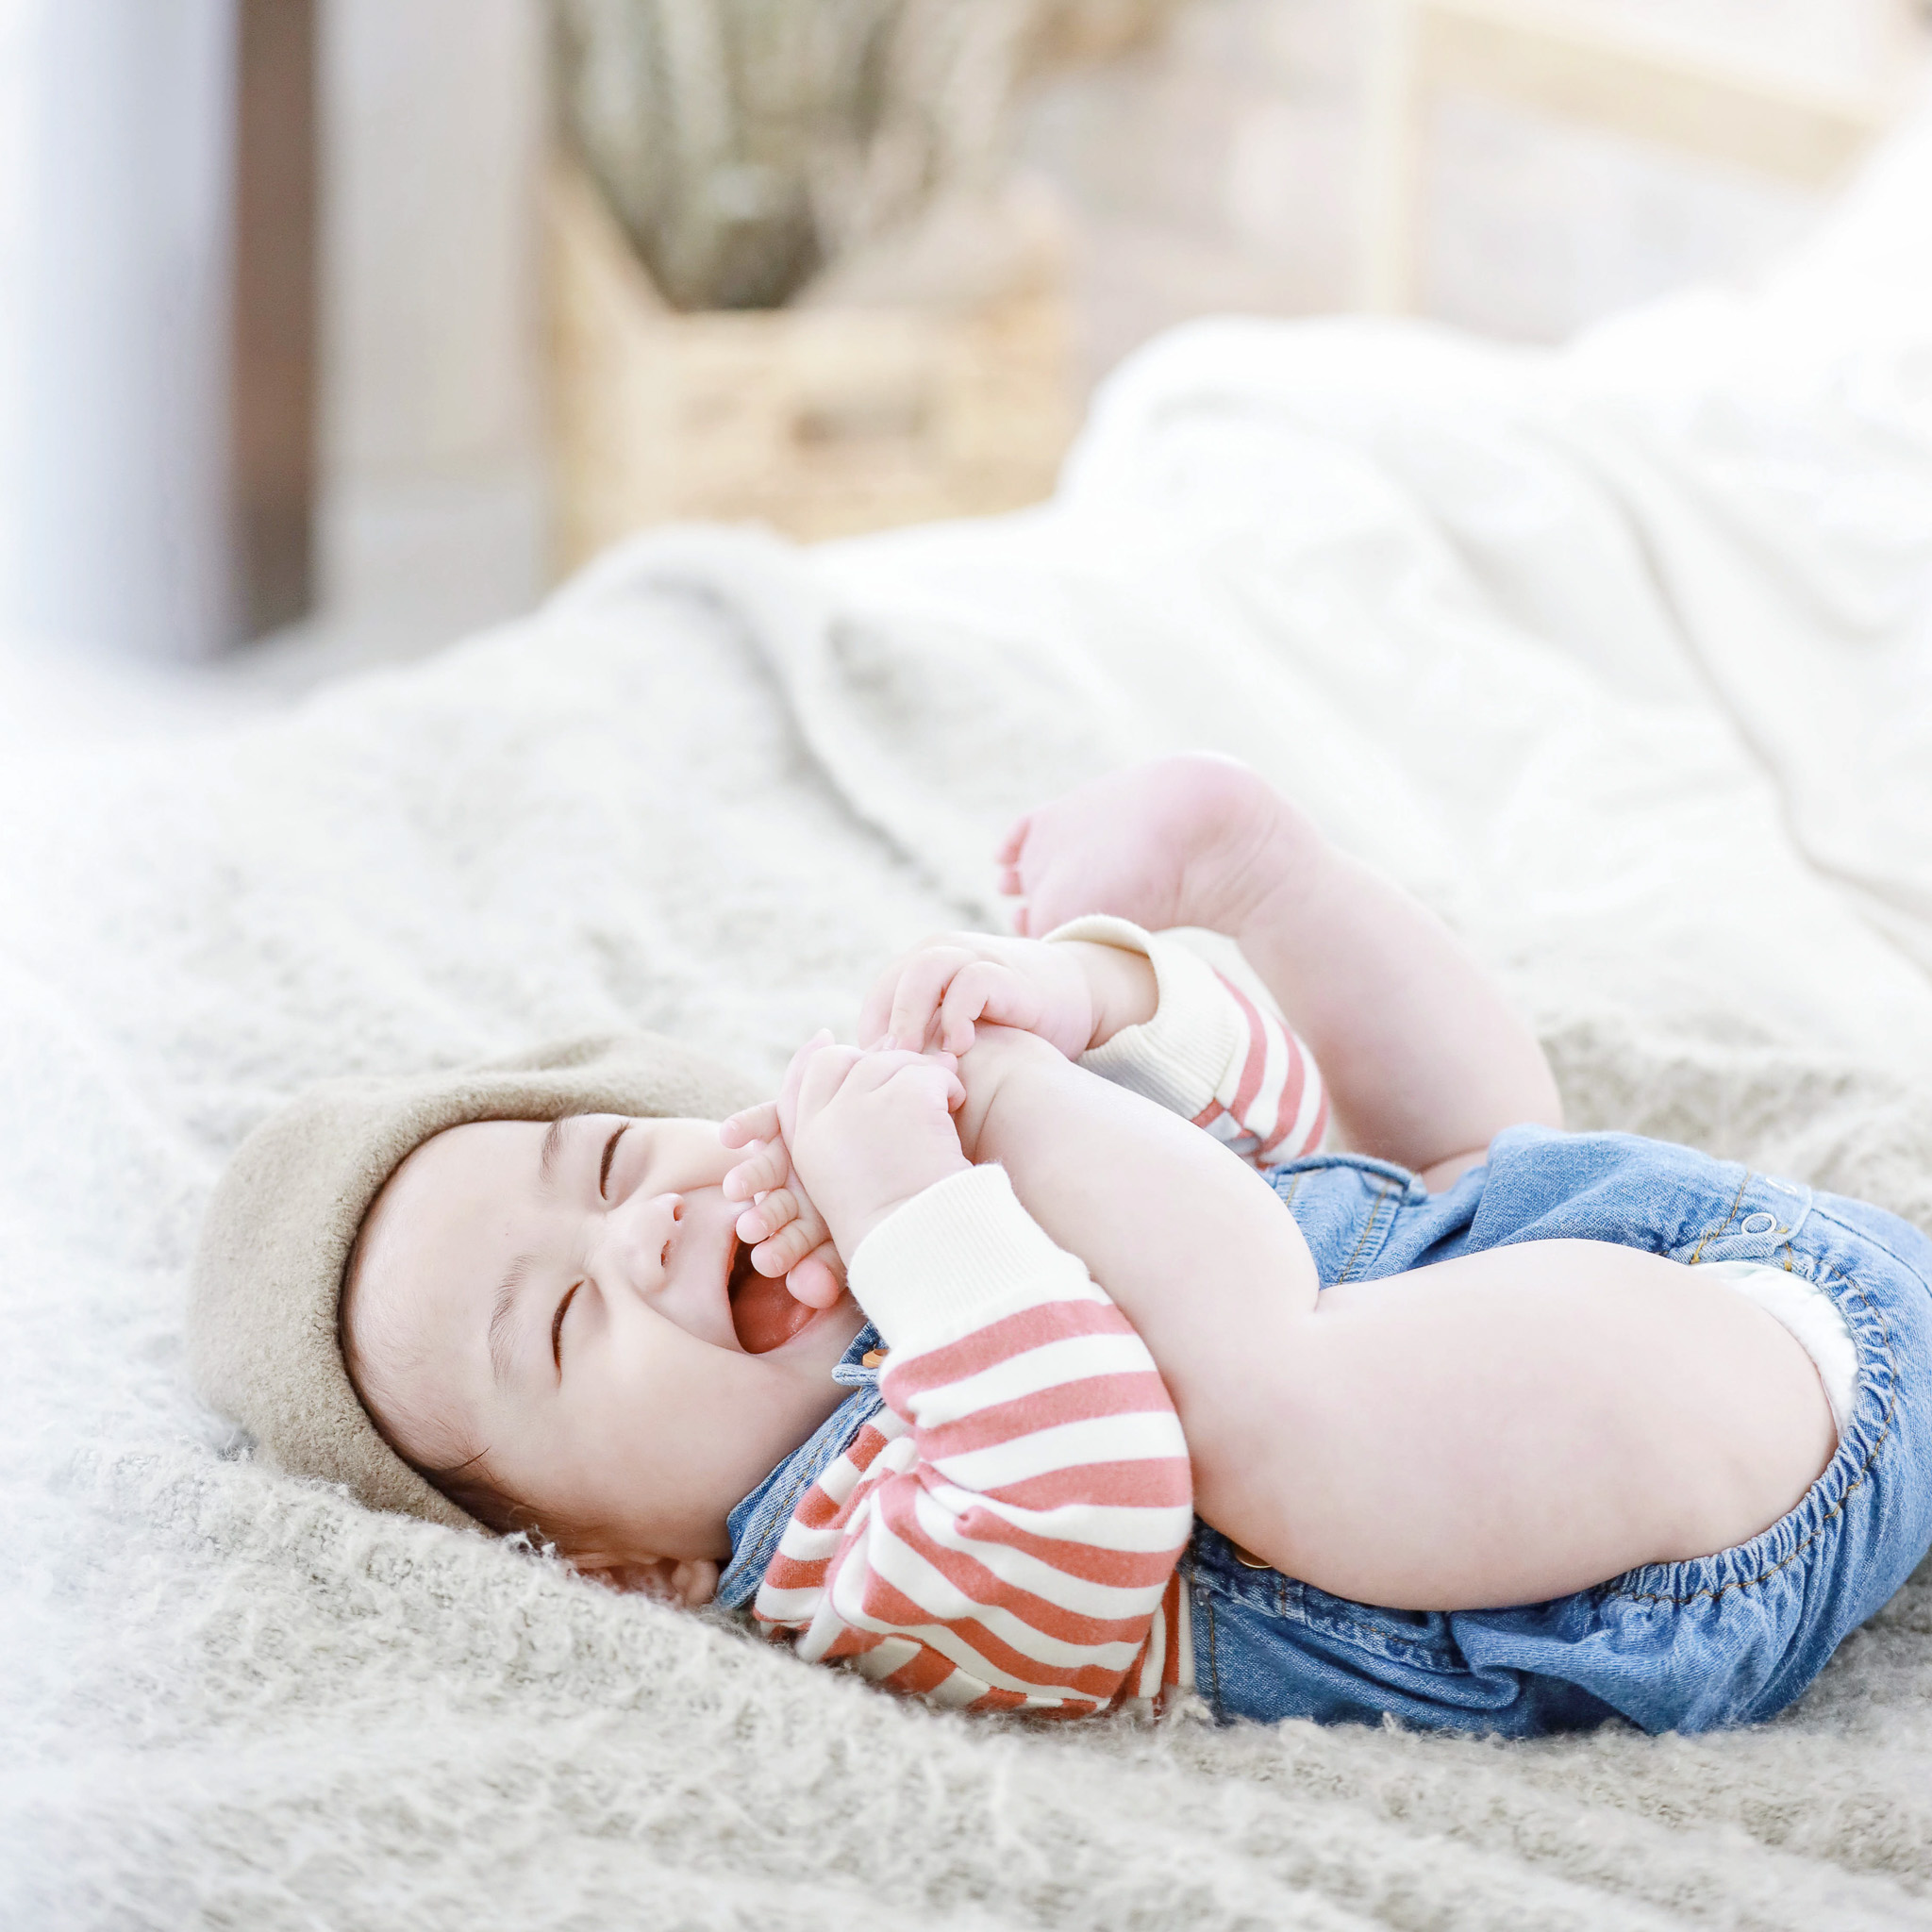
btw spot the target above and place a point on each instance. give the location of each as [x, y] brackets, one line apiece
[779, 1518]
[1207, 1603]
[1717, 1233]
[798, 1489]
[1344, 1625]
[1852, 1488]
[1367, 1228]
[1883, 1246]
[1345, 1621]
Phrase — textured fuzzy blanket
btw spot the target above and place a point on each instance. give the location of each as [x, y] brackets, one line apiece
[1622, 657]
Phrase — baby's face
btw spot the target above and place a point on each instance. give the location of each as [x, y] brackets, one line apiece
[572, 1304]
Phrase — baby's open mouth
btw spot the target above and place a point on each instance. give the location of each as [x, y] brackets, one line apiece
[763, 1313]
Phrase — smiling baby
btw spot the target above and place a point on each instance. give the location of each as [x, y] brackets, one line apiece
[1033, 1355]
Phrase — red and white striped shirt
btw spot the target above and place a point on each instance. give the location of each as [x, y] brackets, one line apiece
[1004, 1533]
[1211, 1052]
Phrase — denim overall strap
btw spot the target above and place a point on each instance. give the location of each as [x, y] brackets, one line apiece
[757, 1523]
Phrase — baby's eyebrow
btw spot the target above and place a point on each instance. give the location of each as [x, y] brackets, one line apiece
[553, 1145]
[501, 1339]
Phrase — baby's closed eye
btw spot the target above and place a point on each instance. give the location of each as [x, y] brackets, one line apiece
[556, 1324]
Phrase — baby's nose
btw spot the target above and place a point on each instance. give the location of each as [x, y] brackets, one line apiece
[638, 1238]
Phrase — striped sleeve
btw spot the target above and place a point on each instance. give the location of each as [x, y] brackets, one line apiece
[1210, 1053]
[1003, 1535]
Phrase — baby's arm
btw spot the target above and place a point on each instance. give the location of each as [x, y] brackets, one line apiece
[1424, 1059]
[1141, 1009]
[1501, 1428]
[1005, 1534]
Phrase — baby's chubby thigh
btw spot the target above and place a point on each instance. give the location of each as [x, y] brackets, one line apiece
[1512, 1425]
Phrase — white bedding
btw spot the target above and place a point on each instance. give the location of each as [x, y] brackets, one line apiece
[1622, 657]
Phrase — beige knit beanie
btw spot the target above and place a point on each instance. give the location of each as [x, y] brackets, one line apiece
[262, 1339]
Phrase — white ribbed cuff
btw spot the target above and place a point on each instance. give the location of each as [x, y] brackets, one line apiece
[1179, 1057]
[952, 1257]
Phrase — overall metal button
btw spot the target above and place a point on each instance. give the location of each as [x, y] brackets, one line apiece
[1248, 1559]
[871, 1358]
[1760, 1223]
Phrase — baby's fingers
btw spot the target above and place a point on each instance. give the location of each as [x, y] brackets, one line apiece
[875, 1014]
[986, 990]
[922, 986]
[768, 1216]
[764, 1166]
[818, 1280]
[936, 1072]
[882, 1064]
[825, 1065]
[904, 993]
[785, 1249]
[749, 1123]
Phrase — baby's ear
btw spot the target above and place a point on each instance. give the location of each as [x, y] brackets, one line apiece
[690, 1583]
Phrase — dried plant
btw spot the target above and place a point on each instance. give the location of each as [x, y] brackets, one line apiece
[745, 143]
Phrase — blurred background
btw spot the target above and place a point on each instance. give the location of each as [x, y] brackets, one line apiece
[332, 329]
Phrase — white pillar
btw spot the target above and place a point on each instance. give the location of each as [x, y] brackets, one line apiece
[433, 125]
[114, 339]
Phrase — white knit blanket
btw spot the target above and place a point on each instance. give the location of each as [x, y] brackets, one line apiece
[1622, 657]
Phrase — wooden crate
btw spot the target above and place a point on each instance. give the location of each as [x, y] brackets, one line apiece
[822, 422]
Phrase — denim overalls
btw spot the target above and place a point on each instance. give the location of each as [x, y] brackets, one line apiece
[1722, 1640]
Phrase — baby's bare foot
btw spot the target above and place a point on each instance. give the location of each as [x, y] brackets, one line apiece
[1188, 840]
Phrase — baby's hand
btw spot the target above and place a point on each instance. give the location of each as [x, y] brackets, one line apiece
[942, 986]
[792, 1236]
[869, 1129]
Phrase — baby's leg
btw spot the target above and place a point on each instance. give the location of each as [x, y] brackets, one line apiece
[1501, 1429]
[1424, 1059]
[1188, 841]
[1523, 1423]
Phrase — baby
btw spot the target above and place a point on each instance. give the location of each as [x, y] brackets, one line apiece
[1493, 1428]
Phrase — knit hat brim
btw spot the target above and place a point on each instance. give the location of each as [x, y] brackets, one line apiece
[264, 1336]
